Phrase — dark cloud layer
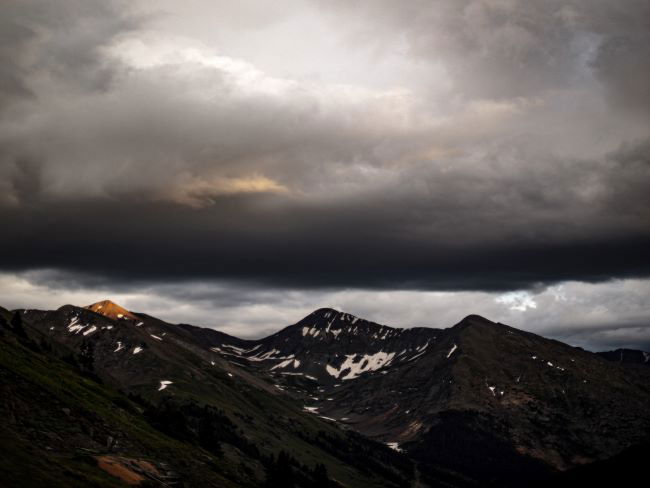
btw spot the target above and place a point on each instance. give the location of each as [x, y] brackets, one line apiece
[296, 247]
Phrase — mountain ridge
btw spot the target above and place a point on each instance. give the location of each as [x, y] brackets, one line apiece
[189, 394]
[469, 365]
[465, 403]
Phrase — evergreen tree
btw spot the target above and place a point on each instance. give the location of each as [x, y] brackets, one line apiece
[321, 478]
[280, 473]
[17, 325]
[87, 359]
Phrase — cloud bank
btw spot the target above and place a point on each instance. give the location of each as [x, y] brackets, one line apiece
[475, 145]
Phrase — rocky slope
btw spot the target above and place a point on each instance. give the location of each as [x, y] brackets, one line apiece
[480, 398]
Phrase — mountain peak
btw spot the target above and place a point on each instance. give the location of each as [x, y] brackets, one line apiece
[111, 310]
[326, 317]
[325, 311]
[474, 320]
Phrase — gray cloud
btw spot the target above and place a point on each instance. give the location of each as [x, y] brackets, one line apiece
[43, 44]
[49, 54]
[520, 48]
[447, 145]
[595, 316]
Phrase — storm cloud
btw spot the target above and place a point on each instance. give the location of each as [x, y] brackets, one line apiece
[476, 146]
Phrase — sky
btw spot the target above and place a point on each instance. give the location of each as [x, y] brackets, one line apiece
[237, 164]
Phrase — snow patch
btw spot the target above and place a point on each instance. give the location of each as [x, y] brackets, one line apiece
[332, 370]
[90, 331]
[156, 337]
[283, 364]
[164, 384]
[119, 347]
[394, 446]
[313, 331]
[452, 350]
[75, 326]
[137, 350]
[329, 324]
[368, 362]
[265, 356]
[417, 356]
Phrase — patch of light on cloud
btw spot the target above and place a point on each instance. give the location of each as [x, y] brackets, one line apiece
[517, 300]
[558, 293]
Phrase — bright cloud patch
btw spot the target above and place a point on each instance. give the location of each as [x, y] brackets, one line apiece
[199, 192]
[517, 300]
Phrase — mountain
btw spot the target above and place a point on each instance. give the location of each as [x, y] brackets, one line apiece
[333, 400]
[484, 400]
[91, 400]
[627, 356]
[329, 347]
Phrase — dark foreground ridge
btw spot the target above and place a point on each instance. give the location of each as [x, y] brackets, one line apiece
[102, 396]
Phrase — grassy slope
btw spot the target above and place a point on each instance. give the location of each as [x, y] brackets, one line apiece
[41, 443]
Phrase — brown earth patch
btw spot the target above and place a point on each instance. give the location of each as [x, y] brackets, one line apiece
[130, 471]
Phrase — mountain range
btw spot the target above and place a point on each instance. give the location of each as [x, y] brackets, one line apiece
[104, 396]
